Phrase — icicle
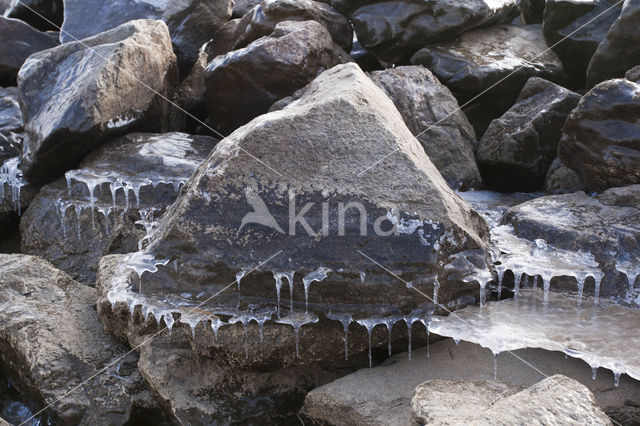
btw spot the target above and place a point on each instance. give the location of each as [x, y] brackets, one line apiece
[598, 282]
[239, 276]
[362, 277]
[389, 322]
[516, 284]
[495, 367]
[215, 326]
[546, 285]
[580, 290]
[317, 275]
[593, 372]
[345, 319]
[168, 320]
[369, 324]
[616, 379]
[289, 277]
[436, 287]
[297, 321]
[426, 326]
[409, 320]
[78, 211]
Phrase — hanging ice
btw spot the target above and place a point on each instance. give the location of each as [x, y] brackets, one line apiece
[297, 320]
[345, 319]
[11, 176]
[318, 275]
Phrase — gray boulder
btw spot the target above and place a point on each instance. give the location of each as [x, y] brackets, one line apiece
[516, 151]
[562, 180]
[601, 137]
[395, 30]
[244, 83]
[619, 50]
[73, 100]
[44, 15]
[18, 41]
[633, 74]
[191, 22]
[430, 111]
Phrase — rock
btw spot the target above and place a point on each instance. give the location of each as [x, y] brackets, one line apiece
[245, 83]
[72, 101]
[18, 41]
[516, 151]
[554, 400]
[44, 15]
[190, 93]
[242, 7]
[191, 22]
[601, 137]
[633, 74]
[382, 395]
[52, 341]
[562, 180]
[4, 5]
[365, 59]
[263, 19]
[573, 31]
[424, 103]
[395, 30]
[532, 11]
[212, 233]
[11, 126]
[482, 59]
[150, 166]
[618, 52]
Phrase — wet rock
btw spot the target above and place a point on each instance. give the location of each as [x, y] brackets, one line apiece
[262, 20]
[11, 126]
[619, 50]
[18, 41]
[51, 341]
[190, 94]
[516, 151]
[483, 58]
[111, 202]
[365, 59]
[633, 74]
[601, 137]
[395, 30]
[532, 11]
[562, 180]
[191, 23]
[245, 83]
[44, 15]
[430, 111]
[204, 248]
[72, 100]
[575, 23]
[243, 6]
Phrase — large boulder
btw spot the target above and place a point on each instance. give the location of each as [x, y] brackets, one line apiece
[517, 149]
[601, 137]
[18, 41]
[574, 29]
[244, 83]
[190, 22]
[73, 100]
[433, 115]
[619, 50]
[51, 341]
[274, 193]
[395, 30]
[73, 222]
[44, 15]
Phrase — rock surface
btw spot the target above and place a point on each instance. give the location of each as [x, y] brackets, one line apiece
[11, 126]
[619, 50]
[601, 137]
[532, 11]
[395, 30]
[633, 74]
[430, 111]
[150, 167]
[191, 22]
[18, 41]
[517, 149]
[44, 15]
[562, 180]
[244, 83]
[52, 340]
[73, 100]
[243, 6]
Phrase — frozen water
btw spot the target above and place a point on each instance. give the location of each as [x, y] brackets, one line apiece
[318, 275]
[370, 324]
[297, 320]
[278, 277]
[11, 176]
[345, 319]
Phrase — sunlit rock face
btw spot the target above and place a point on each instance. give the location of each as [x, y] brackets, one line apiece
[270, 193]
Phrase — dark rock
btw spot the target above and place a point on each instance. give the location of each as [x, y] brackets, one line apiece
[518, 148]
[11, 126]
[243, 6]
[601, 140]
[573, 31]
[245, 83]
[431, 112]
[4, 5]
[44, 15]
[262, 20]
[152, 165]
[190, 94]
[191, 23]
[73, 100]
[562, 180]
[633, 74]
[52, 341]
[619, 50]
[365, 59]
[395, 30]
[18, 41]
[532, 11]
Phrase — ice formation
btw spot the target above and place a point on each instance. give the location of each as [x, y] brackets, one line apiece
[318, 275]
[297, 320]
[11, 176]
[345, 319]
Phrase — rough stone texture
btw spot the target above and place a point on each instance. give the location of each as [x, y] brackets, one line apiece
[51, 340]
[619, 50]
[18, 41]
[555, 400]
[601, 137]
[532, 11]
[423, 101]
[395, 30]
[51, 228]
[562, 180]
[517, 149]
[633, 74]
[245, 83]
[73, 100]
[562, 18]
[382, 395]
[11, 126]
[191, 22]
[44, 15]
